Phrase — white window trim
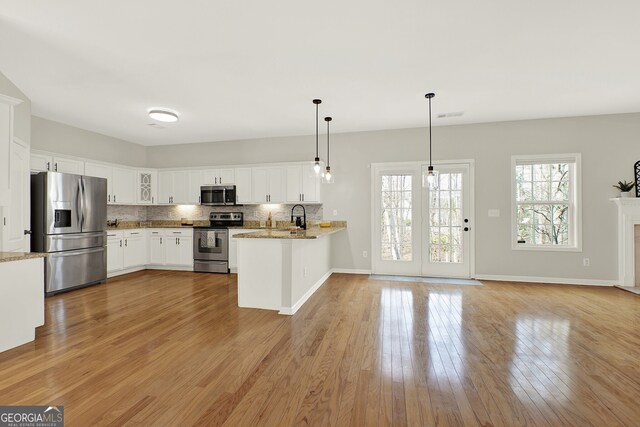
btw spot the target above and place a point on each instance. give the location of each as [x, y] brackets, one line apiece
[577, 202]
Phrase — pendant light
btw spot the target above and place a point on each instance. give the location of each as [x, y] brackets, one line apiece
[430, 179]
[316, 166]
[328, 176]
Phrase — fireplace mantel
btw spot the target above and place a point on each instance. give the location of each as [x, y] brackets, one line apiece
[628, 218]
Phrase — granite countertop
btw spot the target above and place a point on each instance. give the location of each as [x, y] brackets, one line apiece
[19, 256]
[312, 233]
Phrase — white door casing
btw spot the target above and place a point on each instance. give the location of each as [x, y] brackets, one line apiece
[411, 254]
[18, 211]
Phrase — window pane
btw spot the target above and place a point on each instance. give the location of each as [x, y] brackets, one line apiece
[544, 217]
[395, 223]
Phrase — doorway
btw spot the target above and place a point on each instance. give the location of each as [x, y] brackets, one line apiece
[418, 231]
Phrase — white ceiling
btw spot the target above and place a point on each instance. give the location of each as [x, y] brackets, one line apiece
[246, 69]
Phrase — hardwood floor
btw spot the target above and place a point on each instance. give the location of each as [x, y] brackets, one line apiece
[172, 348]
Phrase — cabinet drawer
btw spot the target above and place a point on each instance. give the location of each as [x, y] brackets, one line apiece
[112, 235]
[134, 233]
[176, 232]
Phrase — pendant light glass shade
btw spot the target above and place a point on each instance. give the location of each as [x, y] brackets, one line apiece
[316, 165]
[430, 178]
[327, 176]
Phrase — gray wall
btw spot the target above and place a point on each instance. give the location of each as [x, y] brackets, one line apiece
[22, 122]
[609, 147]
[64, 139]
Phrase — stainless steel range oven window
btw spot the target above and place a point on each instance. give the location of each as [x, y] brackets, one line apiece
[210, 244]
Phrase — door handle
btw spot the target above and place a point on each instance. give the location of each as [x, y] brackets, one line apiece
[161, 240]
[27, 232]
[199, 197]
[178, 240]
[48, 166]
[120, 242]
[303, 197]
[56, 166]
[109, 198]
[151, 199]
[114, 198]
[125, 242]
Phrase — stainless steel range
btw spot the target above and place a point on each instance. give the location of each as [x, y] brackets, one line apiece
[211, 244]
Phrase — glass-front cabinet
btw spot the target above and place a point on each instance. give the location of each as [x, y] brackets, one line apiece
[147, 187]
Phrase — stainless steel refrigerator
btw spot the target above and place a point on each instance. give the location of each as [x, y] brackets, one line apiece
[69, 222]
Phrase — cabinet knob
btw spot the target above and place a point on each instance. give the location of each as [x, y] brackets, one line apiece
[466, 229]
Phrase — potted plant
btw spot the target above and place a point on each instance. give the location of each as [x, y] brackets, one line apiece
[625, 188]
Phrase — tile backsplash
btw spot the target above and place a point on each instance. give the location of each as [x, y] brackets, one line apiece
[280, 212]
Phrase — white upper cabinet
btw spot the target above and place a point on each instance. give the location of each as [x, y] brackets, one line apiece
[268, 185]
[147, 187]
[303, 185]
[310, 184]
[124, 186]
[40, 162]
[243, 185]
[101, 171]
[224, 176]
[194, 182]
[165, 187]
[44, 162]
[67, 165]
[121, 182]
[180, 187]
[174, 187]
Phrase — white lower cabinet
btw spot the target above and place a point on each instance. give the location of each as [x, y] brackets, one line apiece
[126, 250]
[115, 251]
[135, 248]
[157, 248]
[171, 247]
[233, 247]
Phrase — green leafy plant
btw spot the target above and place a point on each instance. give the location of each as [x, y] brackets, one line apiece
[624, 186]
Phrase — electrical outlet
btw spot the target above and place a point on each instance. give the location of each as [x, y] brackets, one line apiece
[586, 262]
[335, 212]
[365, 254]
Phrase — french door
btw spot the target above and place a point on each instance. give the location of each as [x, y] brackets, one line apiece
[446, 224]
[419, 231]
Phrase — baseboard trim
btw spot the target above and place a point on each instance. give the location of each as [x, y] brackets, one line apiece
[126, 271]
[350, 271]
[290, 311]
[550, 280]
[169, 267]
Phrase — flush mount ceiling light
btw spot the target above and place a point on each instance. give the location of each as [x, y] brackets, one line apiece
[163, 115]
[430, 179]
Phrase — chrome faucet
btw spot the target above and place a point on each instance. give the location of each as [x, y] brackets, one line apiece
[301, 221]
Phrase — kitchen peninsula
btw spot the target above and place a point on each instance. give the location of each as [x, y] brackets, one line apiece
[22, 301]
[278, 270]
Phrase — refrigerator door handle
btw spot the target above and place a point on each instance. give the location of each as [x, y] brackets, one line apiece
[83, 203]
[79, 205]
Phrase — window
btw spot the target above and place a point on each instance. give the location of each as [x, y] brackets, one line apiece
[445, 219]
[395, 223]
[546, 211]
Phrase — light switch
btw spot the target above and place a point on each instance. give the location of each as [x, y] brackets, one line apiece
[494, 213]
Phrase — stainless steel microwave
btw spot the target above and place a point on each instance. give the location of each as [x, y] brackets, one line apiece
[218, 195]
